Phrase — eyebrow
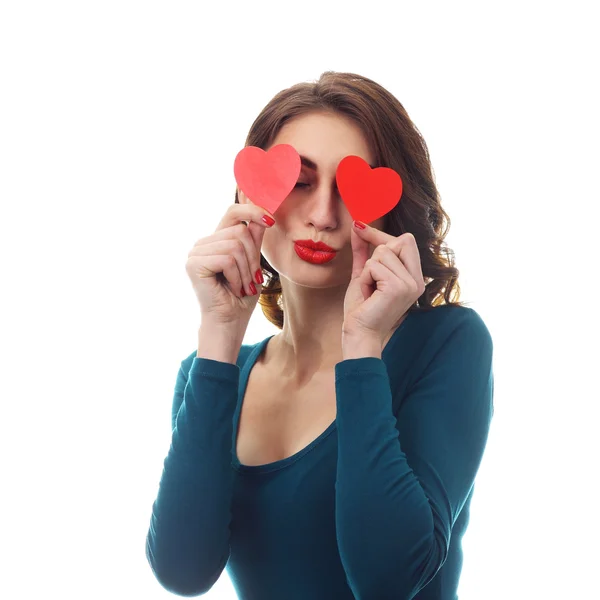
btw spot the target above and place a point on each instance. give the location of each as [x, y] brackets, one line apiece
[312, 165]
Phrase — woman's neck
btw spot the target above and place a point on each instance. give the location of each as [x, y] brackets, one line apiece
[311, 339]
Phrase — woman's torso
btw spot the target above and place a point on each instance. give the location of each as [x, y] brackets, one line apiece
[277, 420]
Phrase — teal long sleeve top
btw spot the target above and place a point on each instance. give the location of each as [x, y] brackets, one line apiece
[374, 508]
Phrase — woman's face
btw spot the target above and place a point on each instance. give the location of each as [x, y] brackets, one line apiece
[314, 209]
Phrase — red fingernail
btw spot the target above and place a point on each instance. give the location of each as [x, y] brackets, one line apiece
[270, 222]
[259, 276]
[359, 224]
[243, 292]
[252, 288]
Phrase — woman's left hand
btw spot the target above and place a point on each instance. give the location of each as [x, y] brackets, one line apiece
[383, 286]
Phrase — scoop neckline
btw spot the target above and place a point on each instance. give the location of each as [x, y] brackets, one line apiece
[284, 462]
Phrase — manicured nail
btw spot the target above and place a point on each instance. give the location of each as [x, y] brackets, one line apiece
[258, 276]
[359, 224]
[243, 293]
[270, 222]
[252, 288]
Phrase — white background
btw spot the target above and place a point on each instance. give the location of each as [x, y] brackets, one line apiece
[119, 124]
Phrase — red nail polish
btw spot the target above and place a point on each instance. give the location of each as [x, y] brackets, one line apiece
[359, 224]
[252, 288]
[243, 293]
[258, 276]
[267, 219]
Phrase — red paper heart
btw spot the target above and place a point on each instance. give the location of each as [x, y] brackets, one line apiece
[367, 193]
[267, 177]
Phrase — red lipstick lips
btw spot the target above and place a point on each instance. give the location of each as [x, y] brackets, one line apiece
[315, 245]
[316, 253]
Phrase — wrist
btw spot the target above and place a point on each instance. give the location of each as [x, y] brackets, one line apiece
[219, 342]
[355, 345]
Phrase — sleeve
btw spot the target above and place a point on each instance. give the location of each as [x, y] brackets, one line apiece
[402, 481]
[187, 544]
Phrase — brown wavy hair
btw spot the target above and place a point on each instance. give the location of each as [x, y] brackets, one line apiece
[396, 143]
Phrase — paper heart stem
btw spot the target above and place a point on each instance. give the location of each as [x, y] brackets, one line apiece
[267, 177]
[367, 193]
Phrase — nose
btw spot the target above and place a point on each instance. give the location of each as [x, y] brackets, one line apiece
[325, 207]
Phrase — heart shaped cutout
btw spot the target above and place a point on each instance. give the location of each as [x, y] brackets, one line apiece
[367, 193]
[267, 178]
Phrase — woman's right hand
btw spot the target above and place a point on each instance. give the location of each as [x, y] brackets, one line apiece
[222, 266]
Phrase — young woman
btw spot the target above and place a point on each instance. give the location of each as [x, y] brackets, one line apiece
[336, 459]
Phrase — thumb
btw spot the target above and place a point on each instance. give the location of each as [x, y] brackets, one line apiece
[360, 253]
[257, 232]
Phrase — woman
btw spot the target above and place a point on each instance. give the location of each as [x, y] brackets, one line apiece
[336, 459]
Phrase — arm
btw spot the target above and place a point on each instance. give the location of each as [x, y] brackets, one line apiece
[403, 480]
[187, 544]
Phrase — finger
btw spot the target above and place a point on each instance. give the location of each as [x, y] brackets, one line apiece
[387, 257]
[257, 234]
[360, 253]
[366, 281]
[243, 272]
[220, 266]
[247, 235]
[377, 278]
[257, 231]
[373, 235]
[238, 213]
[405, 248]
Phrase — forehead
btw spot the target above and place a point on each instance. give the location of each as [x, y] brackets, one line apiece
[325, 137]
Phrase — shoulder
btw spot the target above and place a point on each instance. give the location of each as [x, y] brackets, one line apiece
[441, 324]
[447, 347]
[456, 336]
[186, 365]
[444, 334]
